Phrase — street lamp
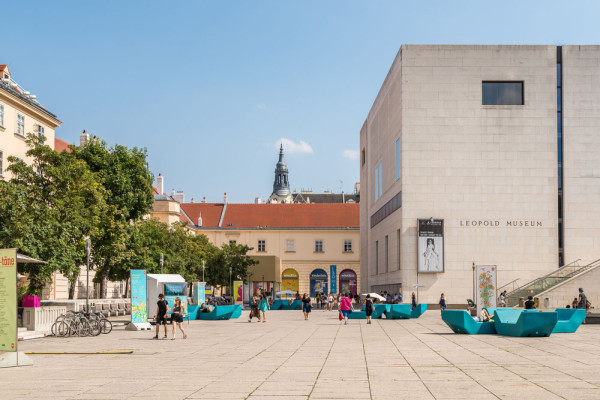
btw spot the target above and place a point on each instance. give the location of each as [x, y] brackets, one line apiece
[162, 261]
[88, 245]
[203, 266]
[231, 284]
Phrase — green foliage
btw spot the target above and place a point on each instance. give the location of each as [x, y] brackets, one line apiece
[232, 256]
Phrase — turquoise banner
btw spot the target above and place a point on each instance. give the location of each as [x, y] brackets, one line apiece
[139, 302]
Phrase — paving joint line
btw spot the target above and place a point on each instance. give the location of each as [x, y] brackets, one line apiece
[366, 364]
[324, 362]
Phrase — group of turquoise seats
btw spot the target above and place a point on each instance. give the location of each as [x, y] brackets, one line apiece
[218, 313]
[286, 305]
[521, 323]
[391, 311]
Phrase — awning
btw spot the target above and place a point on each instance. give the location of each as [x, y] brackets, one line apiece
[22, 259]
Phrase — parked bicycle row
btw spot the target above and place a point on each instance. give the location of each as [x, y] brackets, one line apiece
[79, 323]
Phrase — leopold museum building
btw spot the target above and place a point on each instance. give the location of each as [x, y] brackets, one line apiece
[480, 155]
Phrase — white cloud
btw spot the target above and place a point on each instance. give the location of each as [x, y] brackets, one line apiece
[351, 154]
[289, 146]
[261, 106]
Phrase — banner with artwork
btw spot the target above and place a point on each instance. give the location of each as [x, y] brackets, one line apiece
[430, 245]
[238, 292]
[8, 300]
[139, 302]
[333, 274]
[485, 276]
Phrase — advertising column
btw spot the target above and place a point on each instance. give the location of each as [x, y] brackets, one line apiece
[238, 292]
[139, 300]
[8, 300]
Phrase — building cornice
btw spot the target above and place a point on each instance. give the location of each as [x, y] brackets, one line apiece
[41, 114]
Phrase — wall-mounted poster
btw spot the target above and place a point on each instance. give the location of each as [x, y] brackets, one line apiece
[486, 286]
[430, 245]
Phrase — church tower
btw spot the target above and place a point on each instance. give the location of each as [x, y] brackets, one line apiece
[281, 185]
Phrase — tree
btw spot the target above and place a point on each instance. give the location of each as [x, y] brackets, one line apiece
[232, 256]
[50, 207]
[125, 175]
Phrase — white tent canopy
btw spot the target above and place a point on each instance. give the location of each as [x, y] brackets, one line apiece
[22, 259]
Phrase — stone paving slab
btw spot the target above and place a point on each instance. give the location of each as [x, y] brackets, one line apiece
[288, 358]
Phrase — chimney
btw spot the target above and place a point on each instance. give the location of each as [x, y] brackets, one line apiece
[204, 199]
[179, 197]
[192, 200]
[200, 219]
[357, 188]
[84, 138]
[225, 197]
[173, 193]
[160, 183]
[257, 200]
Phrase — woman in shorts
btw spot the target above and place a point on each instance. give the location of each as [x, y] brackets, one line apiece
[177, 317]
[306, 305]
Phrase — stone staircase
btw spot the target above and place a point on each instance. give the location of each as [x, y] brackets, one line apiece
[548, 281]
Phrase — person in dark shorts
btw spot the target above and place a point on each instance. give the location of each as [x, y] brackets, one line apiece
[368, 308]
[306, 305]
[254, 309]
[582, 301]
[530, 304]
[162, 308]
[177, 317]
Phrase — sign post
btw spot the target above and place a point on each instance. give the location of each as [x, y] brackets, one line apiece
[485, 286]
[139, 301]
[9, 354]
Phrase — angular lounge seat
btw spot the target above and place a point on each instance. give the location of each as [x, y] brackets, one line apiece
[460, 321]
[192, 312]
[398, 311]
[237, 312]
[569, 319]
[296, 305]
[359, 315]
[218, 313]
[524, 324]
[379, 310]
[277, 304]
[418, 310]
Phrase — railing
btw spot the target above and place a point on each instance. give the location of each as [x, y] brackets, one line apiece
[511, 282]
[545, 282]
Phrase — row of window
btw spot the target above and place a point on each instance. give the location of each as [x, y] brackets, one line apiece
[386, 260]
[261, 246]
[21, 124]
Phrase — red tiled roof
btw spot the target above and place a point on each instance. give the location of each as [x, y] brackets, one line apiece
[292, 216]
[211, 213]
[3, 67]
[60, 145]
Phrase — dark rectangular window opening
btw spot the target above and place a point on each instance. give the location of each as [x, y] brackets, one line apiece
[502, 93]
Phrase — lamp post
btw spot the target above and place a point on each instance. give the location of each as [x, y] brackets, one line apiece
[203, 266]
[231, 284]
[88, 245]
[162, 261]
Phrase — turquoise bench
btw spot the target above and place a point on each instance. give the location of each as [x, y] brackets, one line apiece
[524, 324]
[418, 310]
[569, 319]
[460, 321]
[359, 315]
[192, 313]
[218, 313]
[378, 310]
[277, 304]
[237, 311]
[398, 311]
[296, 305]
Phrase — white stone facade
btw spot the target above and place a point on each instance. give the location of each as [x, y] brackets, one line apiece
[489, 171]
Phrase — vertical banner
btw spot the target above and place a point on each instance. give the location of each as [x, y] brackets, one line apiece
[139, 302]
[430, 245]
[333, 275]
[238, 292]
[486, 286]
[200, 293]
[8, 300]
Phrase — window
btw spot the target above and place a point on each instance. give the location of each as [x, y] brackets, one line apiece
[318, 246]
[1, 170]
[1, 115]
[376, 182]
[398, 251]
[262, 246]
[40, 131]
[397, 159]
[502, 93]
[20, 125]
[347, 246]
[363, 157]
[380, 178]
[387, 255]
[289, 245]
[377, 257]
[232, 242]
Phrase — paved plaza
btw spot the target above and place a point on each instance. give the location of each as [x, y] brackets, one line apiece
[289, 358]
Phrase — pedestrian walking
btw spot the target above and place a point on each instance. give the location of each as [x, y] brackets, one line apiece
[162, 308]
[330, 302]
[306, 306]
[442, 302]
[264, 306]
[413, 301]
[368, 308]
[582, 301]
[345, 307]
[177, 317]
[254, 309]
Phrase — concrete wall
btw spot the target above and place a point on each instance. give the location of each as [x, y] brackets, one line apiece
[462, 161]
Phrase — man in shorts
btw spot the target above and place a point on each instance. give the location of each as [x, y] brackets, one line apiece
[162, 308]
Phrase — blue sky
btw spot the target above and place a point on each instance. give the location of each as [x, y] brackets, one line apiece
[211, 87]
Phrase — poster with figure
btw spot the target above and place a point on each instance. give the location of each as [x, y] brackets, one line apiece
[430, 245]
[8, 300]
[238, 292]
[139, 303]
[486, 286]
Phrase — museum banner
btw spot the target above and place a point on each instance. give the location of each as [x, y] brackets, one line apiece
[139, 301]
[333, 275]
[238, 292]
[485, 276]
[430, 245]
[8, 300]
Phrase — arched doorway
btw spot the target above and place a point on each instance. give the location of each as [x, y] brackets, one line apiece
[318, 282]
[289, 281]
[348, 281]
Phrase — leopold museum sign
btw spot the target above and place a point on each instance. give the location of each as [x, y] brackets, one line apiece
[499, 223]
